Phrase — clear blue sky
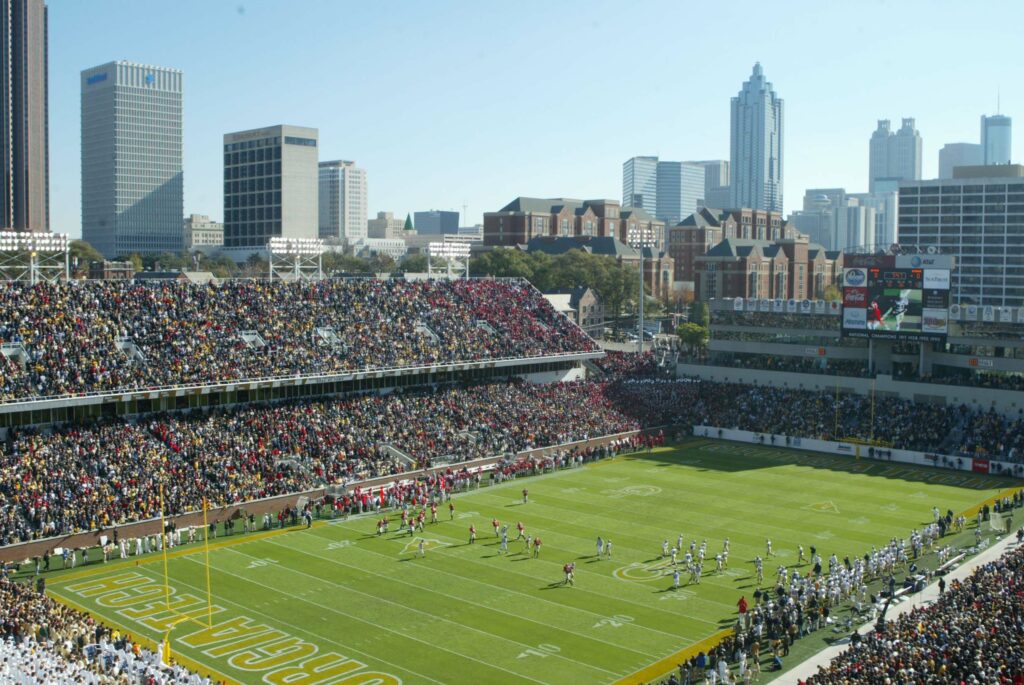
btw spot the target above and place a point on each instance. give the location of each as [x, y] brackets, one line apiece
[452, 103]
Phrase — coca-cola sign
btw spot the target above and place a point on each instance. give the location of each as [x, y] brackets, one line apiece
[855, 297]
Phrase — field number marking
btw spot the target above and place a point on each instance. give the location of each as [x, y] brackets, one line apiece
[428, 544]
[340, 544]
[467, 514]
[542, 650]
[616, 621]
[678, 595]
[257, 563]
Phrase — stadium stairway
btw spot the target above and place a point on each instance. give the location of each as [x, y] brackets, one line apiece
[954, 439]
[401, 456]
[594, 371]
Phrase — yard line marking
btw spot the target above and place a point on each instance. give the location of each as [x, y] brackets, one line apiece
[466, 601]
[404, 607]
[577, 589]
[274, 619]
[362, 620]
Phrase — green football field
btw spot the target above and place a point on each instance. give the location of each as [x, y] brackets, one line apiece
[338, 604]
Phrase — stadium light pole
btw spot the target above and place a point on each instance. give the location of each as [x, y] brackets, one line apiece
[295, 258]
[34, 256]
[642, 237]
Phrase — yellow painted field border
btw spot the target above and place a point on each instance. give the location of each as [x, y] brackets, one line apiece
[672, 661]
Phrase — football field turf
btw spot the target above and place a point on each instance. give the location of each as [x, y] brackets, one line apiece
[342, 605]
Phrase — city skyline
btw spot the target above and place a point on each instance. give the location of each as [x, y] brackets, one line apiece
[439, 152]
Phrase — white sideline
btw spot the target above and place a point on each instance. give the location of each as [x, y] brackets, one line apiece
[810, 667]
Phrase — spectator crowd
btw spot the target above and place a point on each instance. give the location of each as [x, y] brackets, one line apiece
[617, 365]
[971, 635]
[43, 642]
[74, 338]
[85, 478]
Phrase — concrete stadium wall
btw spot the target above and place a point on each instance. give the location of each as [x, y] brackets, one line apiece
[849, 449]
[577, 373]
[1007, 402]
[22, 551]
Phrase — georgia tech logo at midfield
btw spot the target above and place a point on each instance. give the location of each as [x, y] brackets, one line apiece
[632, 491]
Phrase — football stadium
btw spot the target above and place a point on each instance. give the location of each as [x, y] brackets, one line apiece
[391, 480]
[273, 411]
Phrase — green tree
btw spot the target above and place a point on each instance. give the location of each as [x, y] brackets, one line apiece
[85, 252]
[408, 223]
[694, 336]
[699, 313]
[833, 293]
[414, 263]
[221, 267]
[136, 261]
[335, 262]
[417, 263]
[380, 263]
[504, 262]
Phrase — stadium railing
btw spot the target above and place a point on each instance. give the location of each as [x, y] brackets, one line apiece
[152, 392]
[23, 551]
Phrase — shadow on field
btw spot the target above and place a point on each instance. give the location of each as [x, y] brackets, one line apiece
[731, 457]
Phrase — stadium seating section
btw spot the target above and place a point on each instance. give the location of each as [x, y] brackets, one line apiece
[86, 337]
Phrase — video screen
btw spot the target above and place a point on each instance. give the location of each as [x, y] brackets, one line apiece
[888, 299]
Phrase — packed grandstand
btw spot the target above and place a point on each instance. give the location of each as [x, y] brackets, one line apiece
[107, 470]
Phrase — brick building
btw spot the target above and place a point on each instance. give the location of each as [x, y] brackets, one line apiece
[789, 268]
[525, 218]
[699, 232]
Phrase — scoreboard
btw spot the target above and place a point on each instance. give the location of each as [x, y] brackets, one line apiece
[903, 297]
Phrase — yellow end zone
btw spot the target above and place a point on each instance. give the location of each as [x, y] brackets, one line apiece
[669, 663]
[191, 664]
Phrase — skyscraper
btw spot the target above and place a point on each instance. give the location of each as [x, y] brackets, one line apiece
[640, 183]
[680, 186]
[271, 185]
[132, 158]
[25, 122]
[995, 139]
[436, 222]
[755, 154]
[894, 156]
[343, 201]
[955, 215]
[958, 154]
[716, 183]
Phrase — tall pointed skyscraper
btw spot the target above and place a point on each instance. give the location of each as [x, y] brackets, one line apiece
[995, 139]
[755, 156]
[25, 116]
